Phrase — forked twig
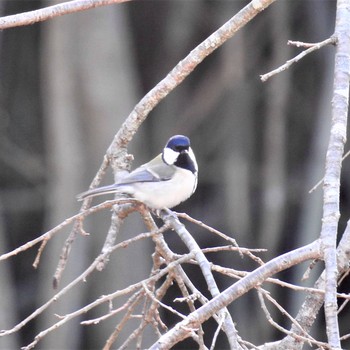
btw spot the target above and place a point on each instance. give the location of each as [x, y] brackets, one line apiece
[311, 47]
[49, 234]
[305, 337]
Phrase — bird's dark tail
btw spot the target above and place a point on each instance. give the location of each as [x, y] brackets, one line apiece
[98, 191]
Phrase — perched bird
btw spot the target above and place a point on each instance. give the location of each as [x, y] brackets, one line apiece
[164, 182]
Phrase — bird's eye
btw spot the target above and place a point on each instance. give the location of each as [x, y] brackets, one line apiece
[180, 148]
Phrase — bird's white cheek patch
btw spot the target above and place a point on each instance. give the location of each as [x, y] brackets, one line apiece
[170, 156]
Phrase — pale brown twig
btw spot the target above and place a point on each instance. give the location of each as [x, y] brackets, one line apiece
[118, 215]
[240, 274]
[305, 338]
[241, 251]
[320, 182]
[246, 251]
[78, 226]
[216, 334]
[150, 309]
[157, 301]
[289, 63]
[172, 220]
[344, 337]
[49, 234]
[112, 312]
[207, 227]
[112, 338]
[86, 308]
[41, 249]
[256, 277]
[343, 305]
[190, 302]
[30, 17]
[80, 278]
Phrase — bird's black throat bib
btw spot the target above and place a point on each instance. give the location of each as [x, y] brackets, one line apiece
[184, 161]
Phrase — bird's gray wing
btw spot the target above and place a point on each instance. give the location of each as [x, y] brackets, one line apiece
[153, 171]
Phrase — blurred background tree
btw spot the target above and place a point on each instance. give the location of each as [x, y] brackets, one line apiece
[68, 84]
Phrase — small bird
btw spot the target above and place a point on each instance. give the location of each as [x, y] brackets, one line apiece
[164, 182]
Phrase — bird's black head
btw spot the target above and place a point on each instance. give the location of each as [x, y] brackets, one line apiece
[178, 143]
[178, 152]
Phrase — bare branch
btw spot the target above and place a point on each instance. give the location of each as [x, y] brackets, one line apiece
[171, 219]
[289, 63]
[211, 229]
[314, 301]
[169, 308]
[230, 294]
[181, 71]
[216, 334]
[101, 300]
[78, 226]
[122, 323]
[49, 234]
[118, 215]
[305, 337]
[31, 17]
[80, 278]
[331, 184]
[126, 305]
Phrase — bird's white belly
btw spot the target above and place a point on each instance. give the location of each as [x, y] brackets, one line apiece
[164, 194]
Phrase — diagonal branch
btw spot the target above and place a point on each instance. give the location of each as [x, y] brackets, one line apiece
[172, 221]
[40, 15]
[314, 301]
[178, 74]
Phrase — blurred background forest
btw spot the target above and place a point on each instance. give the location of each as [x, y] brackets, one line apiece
[67, 85]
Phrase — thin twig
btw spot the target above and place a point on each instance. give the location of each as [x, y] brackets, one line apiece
[345, 337]
[112, 312]
[169, 308]
[305, 338]
[113, 337]
[49, 234]
[118, 215]
[80, 278]
[78, 225]
[307, 45]
[240, 274]
[172, 220]
[241, 251]
[320, 182]
[41, 249]
[207, 227]
[314, 47]
[256, 277]
[343, 305]
[216, 334]
[86, 308]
